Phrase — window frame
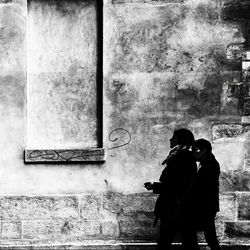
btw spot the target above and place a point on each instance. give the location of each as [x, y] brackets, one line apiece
[82, 155]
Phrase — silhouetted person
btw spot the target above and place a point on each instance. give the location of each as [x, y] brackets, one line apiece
[174, 184]
[205, 191]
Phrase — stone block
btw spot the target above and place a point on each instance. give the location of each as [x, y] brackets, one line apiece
[137, 229]
[117, 202]
[238, 90]
[228, 208]
[227, 130]
[11, 230]
[143, 216]
[134, 213]
[47, 230]
[232, 90]
[42, 230]
[113, 202]
[244, 206]
[110, 229]
[90, 206]
[109, 224]
[247, 153]
[223, 151]
[235, 51]
[139, 202]
[245, 120]
[85, 229]
[40, 207]
[230, 105]
[246, 107]
[234, 181]
[239, 230]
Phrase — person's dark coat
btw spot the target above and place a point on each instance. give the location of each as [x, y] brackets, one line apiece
[175, 179]
[205, 192]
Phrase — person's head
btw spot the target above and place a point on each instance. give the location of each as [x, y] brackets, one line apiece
[182, 136]
[202, 148]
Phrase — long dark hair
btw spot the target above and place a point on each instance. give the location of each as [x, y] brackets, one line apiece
[184, 137]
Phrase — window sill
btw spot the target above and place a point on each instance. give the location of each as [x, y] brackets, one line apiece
[64, 155]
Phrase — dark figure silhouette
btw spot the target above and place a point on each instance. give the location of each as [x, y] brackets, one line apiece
[175, 182]
[205, 192]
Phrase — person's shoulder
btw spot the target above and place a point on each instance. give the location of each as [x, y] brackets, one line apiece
[213, 163]
[186, 154]
[217, 165]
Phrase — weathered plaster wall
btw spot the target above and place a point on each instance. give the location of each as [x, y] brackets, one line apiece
[18, 178]
[12, 87]
[164, 70]
[165, 67]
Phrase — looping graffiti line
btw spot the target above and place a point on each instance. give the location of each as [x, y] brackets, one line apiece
[78, 155]
[117, 138]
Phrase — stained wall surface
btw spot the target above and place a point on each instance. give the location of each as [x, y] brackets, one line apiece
[165, 66]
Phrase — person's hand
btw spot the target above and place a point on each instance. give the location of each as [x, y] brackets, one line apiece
[148, 185]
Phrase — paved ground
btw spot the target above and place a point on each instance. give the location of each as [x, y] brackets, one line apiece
[113, 247]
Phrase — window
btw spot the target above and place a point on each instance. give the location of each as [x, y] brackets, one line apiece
[64, 81]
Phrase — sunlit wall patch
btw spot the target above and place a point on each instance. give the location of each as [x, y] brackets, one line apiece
[246, 65]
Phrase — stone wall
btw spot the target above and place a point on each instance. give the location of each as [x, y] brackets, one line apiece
[77, 218]
[165, 66]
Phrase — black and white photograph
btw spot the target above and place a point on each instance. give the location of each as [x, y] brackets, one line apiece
[125, 125]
